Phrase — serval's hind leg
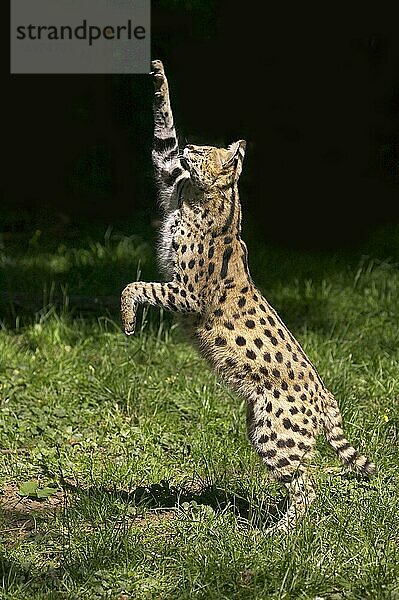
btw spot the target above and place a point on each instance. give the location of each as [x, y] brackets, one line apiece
[285, 451]
[301, 494]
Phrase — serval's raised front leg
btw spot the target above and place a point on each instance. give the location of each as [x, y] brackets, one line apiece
[170, 296]
[165, 154]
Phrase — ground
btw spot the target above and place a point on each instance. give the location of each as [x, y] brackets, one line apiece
[125, 471]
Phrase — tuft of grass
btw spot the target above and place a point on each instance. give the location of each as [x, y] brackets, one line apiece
[155, 490]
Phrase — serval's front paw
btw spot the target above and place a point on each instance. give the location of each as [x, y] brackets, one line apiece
[129, 320]
[160, 81]
[157, 67]
[129, 327]
[128, 309]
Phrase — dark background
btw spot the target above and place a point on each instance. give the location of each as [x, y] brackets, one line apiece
[318, 106]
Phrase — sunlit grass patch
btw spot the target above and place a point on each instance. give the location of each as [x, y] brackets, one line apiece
[158, 492]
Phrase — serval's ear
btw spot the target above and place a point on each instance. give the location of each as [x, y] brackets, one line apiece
[237, 153]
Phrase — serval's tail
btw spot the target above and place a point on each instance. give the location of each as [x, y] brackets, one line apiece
[336, 437]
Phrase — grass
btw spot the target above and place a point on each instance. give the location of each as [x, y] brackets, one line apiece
[151, 489]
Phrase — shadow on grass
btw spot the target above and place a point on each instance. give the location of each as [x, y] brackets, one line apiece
[188, 498]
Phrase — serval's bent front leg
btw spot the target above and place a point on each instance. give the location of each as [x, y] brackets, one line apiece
[165, 155]
[165, 295]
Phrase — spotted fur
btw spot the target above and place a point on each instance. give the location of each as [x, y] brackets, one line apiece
[241, 335]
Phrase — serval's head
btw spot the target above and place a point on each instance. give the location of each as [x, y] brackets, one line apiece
[211, 167]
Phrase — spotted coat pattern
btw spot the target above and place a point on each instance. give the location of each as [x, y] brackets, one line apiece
[206, 264]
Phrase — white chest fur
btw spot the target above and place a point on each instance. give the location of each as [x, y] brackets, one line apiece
[166, 253]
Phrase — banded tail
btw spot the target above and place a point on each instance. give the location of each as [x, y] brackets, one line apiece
[336, 438]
